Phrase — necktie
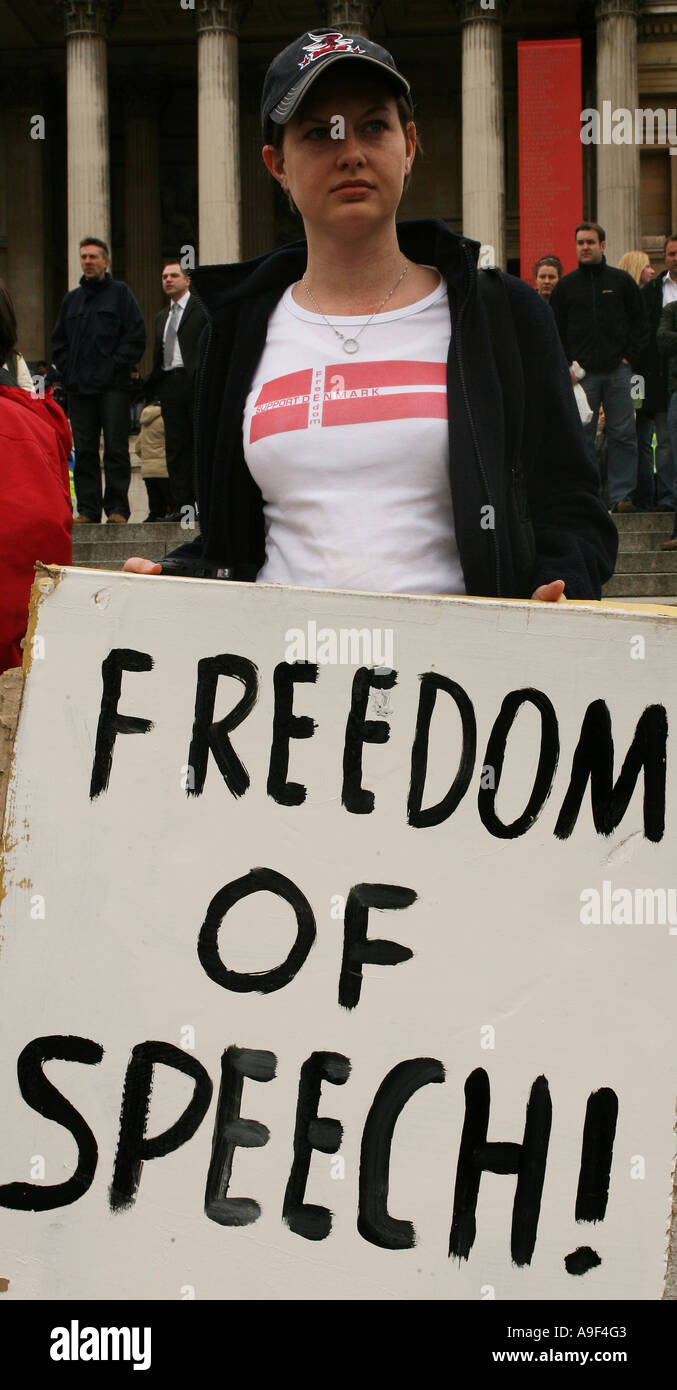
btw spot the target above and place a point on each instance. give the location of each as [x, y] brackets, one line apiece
[170, 336]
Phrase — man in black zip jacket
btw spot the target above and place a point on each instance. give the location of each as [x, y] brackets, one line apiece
[98, 337]
[603, 325]
[575, 540]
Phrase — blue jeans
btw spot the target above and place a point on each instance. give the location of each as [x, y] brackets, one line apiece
[612, 390]
[672, 433]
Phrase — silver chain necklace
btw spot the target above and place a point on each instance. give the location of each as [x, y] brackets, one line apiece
[351, 344]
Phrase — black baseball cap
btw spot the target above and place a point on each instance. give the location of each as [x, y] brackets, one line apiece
[293, 71]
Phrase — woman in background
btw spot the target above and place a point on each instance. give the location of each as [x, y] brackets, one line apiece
[547, 271]
[638, 265]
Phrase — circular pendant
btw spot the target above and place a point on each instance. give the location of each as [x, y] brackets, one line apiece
[350, 345]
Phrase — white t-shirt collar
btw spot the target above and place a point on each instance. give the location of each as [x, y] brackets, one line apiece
[388, 315]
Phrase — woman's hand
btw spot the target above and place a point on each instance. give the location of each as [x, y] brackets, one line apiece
[546, 593]
[137, 565]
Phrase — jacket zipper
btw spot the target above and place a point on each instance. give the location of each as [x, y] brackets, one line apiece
[456, 330]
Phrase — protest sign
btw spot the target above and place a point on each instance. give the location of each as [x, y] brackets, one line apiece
[338, 947]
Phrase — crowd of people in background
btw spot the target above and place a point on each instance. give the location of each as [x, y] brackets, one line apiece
[618, 328]
[619, 346]
[98, 341]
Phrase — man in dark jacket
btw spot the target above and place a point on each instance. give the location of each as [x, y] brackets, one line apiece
[602, 322]
[98, 337]
[666, 339]
[172, 379]
[659, 292]
[575, 540]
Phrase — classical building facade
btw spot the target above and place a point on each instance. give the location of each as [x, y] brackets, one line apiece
[137, 121]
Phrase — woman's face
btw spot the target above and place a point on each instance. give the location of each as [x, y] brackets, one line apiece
[546, 279]
[647, 273]
[345, 155]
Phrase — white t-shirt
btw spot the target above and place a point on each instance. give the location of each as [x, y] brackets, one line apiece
[351, 453]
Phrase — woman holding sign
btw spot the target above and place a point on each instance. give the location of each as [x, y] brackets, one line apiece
[362, 420]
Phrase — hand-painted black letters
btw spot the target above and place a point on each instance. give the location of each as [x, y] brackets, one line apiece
[360, 730]
[43, 1097]
[545, 772]
[232, 1132]
[207, 734]
[599, 1130]
[434, 815]
[133, 1147]
[476, 1156]
[256, 881]
[594, 759]
[110, 722]
[287, 725]
[374, 1222]
[357, 948]
[312, 1132]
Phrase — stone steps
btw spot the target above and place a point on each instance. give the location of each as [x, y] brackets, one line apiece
[643, 522]
[643, 570]
[647, 562]
[633, 541]
[655, 588]
[108, 546]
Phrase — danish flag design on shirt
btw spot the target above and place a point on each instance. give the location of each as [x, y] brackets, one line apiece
[350, 393]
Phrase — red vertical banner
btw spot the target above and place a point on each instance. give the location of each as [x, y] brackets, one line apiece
[550, 151]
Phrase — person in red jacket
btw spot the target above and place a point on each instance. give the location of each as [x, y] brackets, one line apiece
[36, 516]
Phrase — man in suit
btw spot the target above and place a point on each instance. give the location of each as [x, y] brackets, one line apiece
[658, 293]
[172, 379]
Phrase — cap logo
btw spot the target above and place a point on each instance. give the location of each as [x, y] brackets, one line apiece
[327, 43]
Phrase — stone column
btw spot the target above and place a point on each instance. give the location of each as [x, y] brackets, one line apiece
[349, 16]
[618, 165]
[143, 221]
[87, 25]
[482, 114]
[28, 130]
[218, 130]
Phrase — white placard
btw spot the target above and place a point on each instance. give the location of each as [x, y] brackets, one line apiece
[354, 977]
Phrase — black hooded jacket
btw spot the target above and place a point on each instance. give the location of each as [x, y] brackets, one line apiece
[98, 337]
[601, 317]
[575, 539]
